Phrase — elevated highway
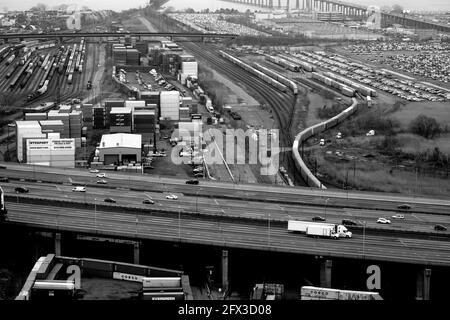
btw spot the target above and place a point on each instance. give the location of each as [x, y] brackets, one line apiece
[227, 233]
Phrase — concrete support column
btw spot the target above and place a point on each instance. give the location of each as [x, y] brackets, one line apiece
[224, 270]
[423, 284]
[325, 273]
[136, 253]
[57, 237]
[287, 5]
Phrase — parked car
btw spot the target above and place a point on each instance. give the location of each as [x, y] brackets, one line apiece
[404, 206]
[192, 182]
[339, 135]
[101, 175]
[172, 197]
[110, 200]
[318, 218]
[440, 227]
[21, 190]
[348, 222]
[148, 201]
[79, 189]
[383, 221]
[102, 181]
[398, 216]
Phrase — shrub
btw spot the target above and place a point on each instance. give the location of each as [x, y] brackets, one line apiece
[425, 126]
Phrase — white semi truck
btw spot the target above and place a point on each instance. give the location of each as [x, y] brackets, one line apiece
[319, 229]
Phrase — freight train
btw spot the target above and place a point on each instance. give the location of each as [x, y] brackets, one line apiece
[307, 175]
[366, 91]
[291, 84]
[255, 72]
[284, 63]
[346, 91]
[301, 64]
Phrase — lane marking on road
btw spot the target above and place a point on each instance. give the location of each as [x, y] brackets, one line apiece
[416, 217]
[215, 200]
[403, 243]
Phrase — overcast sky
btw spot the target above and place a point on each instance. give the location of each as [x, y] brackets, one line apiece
[118, 5]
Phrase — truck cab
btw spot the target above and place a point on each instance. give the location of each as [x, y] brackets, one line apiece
[343, 231]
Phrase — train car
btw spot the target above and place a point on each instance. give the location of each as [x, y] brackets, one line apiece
[12, 69]
[26, 78]
[10, 59]
[17, 76]
[3, 211]
[254, 71]
[285, 81]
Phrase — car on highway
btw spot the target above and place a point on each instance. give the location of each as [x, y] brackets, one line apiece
[383, 221]
[21, 190]
[103, 181]
[318, 218]
[404, 206]
[322, 142]
[110, 200]
[101, 175]
[148, 201]
[94, 171]
[199, 175]
[348, 222]
[192, 182]
[79, 189]
[4, 179]
[172, 197]
[440, 227]
[398, 216]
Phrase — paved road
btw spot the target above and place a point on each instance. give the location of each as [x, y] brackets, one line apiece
[256, 192]
[229, 207]
[228, 233]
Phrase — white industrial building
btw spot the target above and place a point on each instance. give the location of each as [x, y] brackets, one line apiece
[26, 130]
[170, 105]
[51, 152]
[120, 148]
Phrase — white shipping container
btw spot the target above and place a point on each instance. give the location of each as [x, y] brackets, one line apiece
[189, 68]
[170, 104]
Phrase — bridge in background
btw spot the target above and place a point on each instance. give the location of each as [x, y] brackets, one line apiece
[351, 10]
[62, 35]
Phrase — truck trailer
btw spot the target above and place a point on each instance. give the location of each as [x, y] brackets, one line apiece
[319, 229]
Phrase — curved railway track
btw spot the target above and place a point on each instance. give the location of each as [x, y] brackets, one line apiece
[282, 104]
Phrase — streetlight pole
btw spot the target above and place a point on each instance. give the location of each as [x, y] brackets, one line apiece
[364, 237]
[179, 224]
[95, 214]
[196, 202]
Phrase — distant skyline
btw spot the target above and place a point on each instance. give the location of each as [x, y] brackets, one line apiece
[118, 5]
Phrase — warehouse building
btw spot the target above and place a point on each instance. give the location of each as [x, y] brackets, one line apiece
[26, 130]
[51, 152]
[120, 148]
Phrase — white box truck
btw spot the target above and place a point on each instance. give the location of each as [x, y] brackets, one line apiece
[302, 226]
[326, 231]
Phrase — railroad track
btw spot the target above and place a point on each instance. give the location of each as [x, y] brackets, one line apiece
[281, 104]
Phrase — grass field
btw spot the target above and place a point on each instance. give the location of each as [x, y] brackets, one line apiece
[374, 176]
